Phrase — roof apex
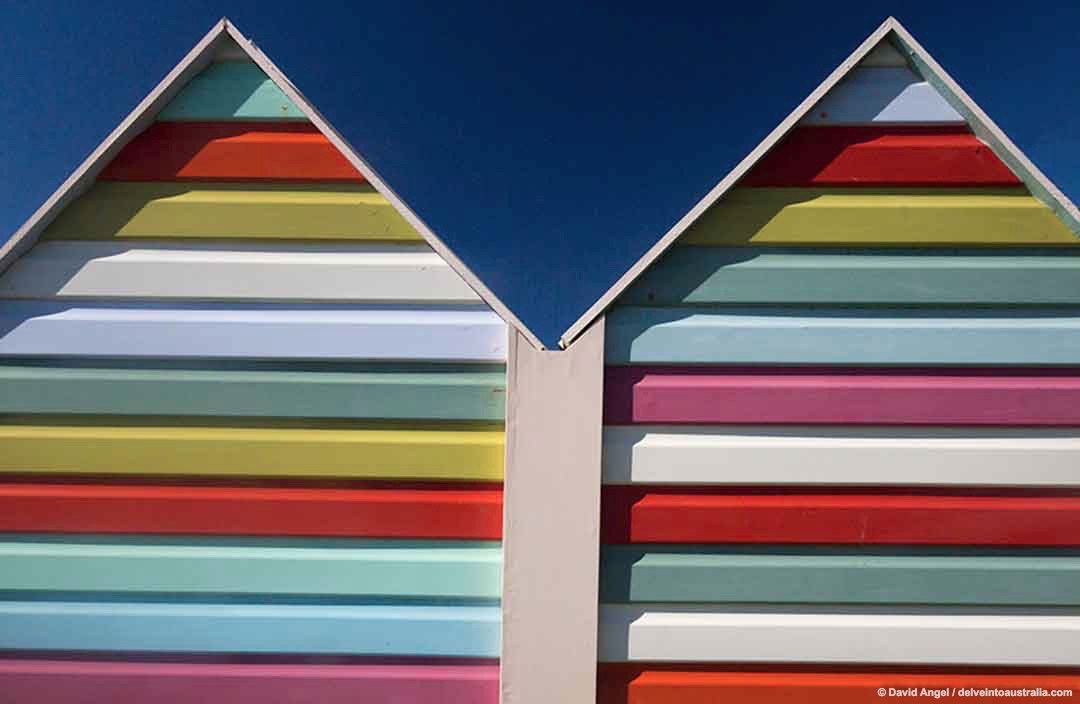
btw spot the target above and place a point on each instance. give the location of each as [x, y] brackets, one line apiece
[198, 58]
[985, 128]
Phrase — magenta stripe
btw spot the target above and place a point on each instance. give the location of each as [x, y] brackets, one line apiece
[81, 682]
[841, 395]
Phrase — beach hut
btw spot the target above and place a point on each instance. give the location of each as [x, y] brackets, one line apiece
[252, 408]
[840, 410]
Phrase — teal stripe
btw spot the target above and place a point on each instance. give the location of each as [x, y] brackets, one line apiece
[231, 91]
[450, 393]
[360, 570]
[703, 574]
[849, 336]
[456, 631]
[748, 275]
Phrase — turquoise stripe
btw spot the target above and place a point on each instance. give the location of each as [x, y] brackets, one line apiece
[457, 631]
[453, 392]
[751, 275]
[850, 336]
[231, 91]
[703, 574]
[359, 570]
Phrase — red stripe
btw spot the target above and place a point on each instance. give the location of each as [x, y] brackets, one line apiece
[713, 515]
[880, 156]
[436, 511]
[71, 682]
[200, 151]
[659, 684]
[841, 395]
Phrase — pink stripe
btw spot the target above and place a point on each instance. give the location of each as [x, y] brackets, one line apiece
[53, 682]
[847, 396]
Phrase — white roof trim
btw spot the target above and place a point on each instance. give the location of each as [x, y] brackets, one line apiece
[983, 126]
[144, 113]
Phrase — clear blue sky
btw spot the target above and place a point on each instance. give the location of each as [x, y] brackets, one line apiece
[548, 144]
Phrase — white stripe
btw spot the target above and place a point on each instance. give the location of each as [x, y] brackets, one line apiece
[659, 633]
[253, 332]
[840, 455]
[371, 273]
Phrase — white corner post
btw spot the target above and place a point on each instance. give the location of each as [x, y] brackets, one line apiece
[551, 521]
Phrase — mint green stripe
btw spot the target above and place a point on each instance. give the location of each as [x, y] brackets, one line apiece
[378, 570]
[231, 91]
[451, 393]
[750, 275]
[703, 574]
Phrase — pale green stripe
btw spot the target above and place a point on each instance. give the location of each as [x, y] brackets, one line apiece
[822, 576]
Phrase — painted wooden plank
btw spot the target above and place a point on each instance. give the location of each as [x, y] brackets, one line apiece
[167, 447]
[231, 151]
[233, 90]
[696, 685]
[726, 275]
[142, 330]
[651, 454]
[456, 631]
[402, 273]
[703, 515]
[880, 156]
[830, 575]
[214, 567]
[841, 396]
[843, 336]
[382, 510]
[422, 392]
[952, 217]
[90, 682]
[882, 94]
[551, 537]
[667, 633]
[297, 211]
[884, 54]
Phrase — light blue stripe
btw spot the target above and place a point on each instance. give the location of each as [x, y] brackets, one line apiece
[455, 631]
[881, 94]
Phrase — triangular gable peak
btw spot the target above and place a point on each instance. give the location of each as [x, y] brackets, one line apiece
[887, 118]
[193, 150]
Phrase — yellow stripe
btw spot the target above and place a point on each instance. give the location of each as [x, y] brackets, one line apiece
[839, 216]
[231, 210]
[381, 453]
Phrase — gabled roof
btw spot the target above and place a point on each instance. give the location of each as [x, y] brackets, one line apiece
[224, 39]
[1037, 183]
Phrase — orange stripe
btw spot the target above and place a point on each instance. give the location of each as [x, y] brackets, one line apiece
[201, 151]
[694, 686]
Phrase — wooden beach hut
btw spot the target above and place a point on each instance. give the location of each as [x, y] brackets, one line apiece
[840, 445]
[252, 430]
